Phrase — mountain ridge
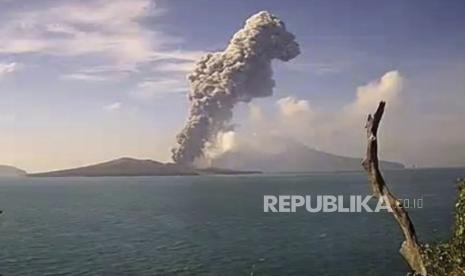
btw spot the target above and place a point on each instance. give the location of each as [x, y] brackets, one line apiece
[10, 171]
[293, 157]
[127, 166]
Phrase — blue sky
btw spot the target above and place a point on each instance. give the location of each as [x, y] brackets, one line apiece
[86, 81]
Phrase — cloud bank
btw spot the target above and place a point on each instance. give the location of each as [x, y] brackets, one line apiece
[8, 68]
[406, 135]
[107, 40]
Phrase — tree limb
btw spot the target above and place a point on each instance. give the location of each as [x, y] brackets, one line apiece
[410, 248]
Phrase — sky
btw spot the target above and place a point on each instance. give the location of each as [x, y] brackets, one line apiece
[92, 80]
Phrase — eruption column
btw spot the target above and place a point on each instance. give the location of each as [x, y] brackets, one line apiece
[238, 74]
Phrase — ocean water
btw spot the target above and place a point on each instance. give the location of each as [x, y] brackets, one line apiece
[210, 225]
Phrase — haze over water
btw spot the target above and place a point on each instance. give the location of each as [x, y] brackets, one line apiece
[209, 225]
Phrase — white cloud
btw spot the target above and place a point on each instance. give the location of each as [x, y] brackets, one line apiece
[112, 107]
[102, 73]
[408, 134]
[111, 32]
[84, 77]
[290, 106]
[387, 88]
[109, 28]
[181, 55]
[8, 68]
[182, 67]
[150, 89]
[339, 132]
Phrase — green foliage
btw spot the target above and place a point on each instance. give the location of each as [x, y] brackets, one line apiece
[448, 258]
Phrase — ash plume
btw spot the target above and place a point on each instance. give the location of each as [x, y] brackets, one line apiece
[238, 74]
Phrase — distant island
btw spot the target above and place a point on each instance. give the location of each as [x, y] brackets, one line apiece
[136, 167]
[293, 156]
[9, 171]
[296, 157]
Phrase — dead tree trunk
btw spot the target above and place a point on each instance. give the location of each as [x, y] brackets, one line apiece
[410, 248]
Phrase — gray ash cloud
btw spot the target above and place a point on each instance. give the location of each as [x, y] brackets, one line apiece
[240, 73]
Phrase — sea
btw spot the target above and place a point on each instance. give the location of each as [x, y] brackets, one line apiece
[211, 225]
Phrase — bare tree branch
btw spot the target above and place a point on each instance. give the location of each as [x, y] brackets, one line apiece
[410, 248]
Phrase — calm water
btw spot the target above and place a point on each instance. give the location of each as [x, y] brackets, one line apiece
[208, 225]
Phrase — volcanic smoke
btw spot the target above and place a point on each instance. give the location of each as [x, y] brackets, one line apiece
[238, 74]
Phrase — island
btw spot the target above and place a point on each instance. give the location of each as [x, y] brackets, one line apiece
[10, 171]
[293, 156]
[136, 167]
